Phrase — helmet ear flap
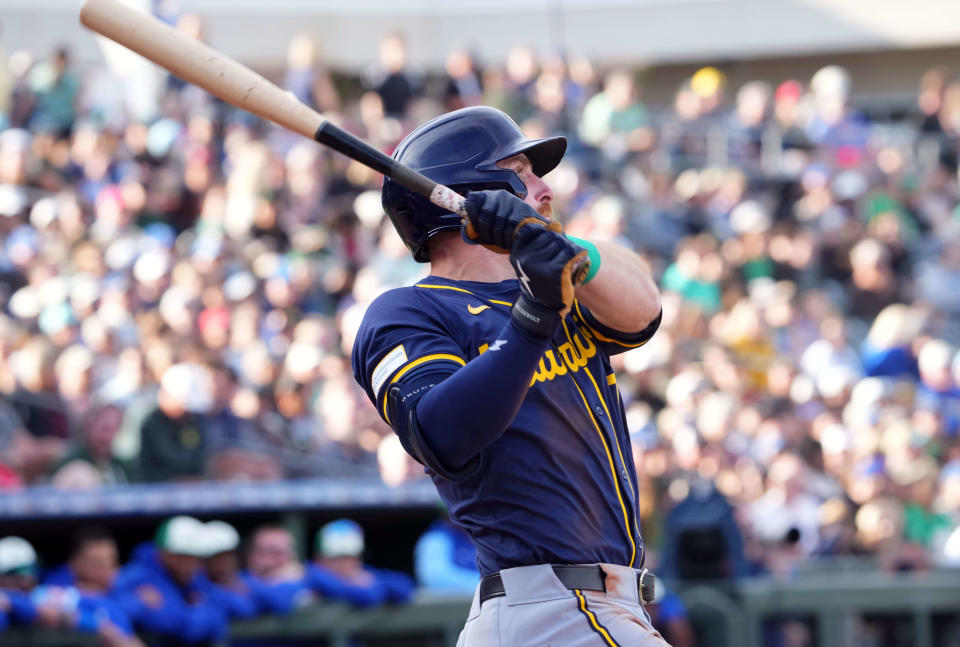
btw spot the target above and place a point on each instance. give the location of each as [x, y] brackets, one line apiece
[408, 219]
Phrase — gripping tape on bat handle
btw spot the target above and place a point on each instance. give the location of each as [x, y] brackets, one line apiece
[448, 199]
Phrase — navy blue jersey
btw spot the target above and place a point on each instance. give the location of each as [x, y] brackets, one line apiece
[559, 486]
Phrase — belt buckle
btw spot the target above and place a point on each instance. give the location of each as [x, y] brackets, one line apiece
[647, 586]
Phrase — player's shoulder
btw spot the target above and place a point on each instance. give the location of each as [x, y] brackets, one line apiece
[394, 314]
[398, 306]
[392, 301]
[429, 297]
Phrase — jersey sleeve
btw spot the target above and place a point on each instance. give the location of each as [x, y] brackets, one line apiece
[402, 334]
[612, 341]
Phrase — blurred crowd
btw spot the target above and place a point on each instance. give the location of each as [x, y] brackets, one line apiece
[181, 284]
[185, 586]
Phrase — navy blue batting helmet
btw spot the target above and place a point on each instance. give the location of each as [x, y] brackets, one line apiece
[460, 150]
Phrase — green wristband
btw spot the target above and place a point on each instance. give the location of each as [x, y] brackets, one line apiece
[592, 253]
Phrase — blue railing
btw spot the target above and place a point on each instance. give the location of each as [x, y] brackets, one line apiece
[208, 497]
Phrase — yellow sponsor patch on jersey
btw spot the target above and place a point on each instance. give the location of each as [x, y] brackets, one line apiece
[475, 310]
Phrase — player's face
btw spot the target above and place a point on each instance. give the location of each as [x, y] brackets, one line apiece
[539, 195]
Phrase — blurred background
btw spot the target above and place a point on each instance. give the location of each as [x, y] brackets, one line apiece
[180, 285]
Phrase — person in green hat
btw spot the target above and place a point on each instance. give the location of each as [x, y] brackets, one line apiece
[18, 576]
[161, 589]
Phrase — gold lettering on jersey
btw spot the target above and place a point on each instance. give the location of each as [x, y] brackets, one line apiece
[587, 351]
[568, 357]
[553, 369]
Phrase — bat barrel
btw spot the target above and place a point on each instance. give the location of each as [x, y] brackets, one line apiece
[199, 64]
[240, 86]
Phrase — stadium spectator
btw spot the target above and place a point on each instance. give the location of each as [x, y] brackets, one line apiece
[463, 81]
[5, 89]
[55, 87]
[835, 124]
[233, 436]
[888, 348]
[749, 122]
[18, 449]
[520, 77]
[89, 461]
[172, 439]
[615, 119]
[873, 279]
[880, 525]
[162, 588]
[307, 78]
[946, 543]
[787, 511]
[937, 391]
[922, 523]
[39, 406]
[702, 539]
[390, 78]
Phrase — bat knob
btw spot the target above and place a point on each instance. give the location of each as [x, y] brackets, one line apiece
[580, 271]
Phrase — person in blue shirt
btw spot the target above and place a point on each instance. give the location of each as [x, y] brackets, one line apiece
[224, 582]
[83, 588]
[162, 589]
[16, 608]
[495, 373]
[338, 564]
[273, 572]
[18, 577]
[937, 391]
[445, 560]
[283, 584]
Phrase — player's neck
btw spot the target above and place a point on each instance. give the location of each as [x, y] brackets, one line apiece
[451, 258]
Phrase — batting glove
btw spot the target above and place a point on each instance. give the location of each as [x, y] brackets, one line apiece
[493, 216]
[549, 267]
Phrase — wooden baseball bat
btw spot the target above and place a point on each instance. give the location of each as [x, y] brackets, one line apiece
[240, 86]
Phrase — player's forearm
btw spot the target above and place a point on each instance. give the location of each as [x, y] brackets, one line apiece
[471, 408]
[623, 294]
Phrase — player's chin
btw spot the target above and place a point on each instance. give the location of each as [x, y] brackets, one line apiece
[545, 209]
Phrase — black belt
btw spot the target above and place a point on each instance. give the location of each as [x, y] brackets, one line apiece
[589, 577]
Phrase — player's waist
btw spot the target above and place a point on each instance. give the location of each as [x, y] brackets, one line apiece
[557, 541]
[584, 577]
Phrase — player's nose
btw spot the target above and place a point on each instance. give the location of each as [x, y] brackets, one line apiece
[540, 191]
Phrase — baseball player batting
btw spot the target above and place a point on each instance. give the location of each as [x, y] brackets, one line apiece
[494, 371]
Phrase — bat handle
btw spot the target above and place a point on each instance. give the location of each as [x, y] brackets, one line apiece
[448, 199]
[355, 148]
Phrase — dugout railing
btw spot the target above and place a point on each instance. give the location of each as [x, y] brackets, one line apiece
[837, 607]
